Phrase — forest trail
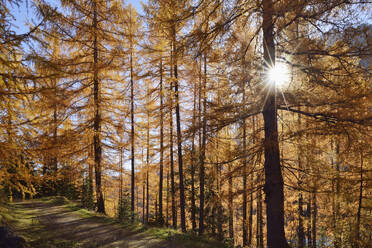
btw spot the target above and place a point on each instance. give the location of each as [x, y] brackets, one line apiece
[49, 224]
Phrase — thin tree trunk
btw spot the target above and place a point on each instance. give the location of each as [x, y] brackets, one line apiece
[337, 241]
[179, 137]
[97, 118]
[132, 130]
[121, 178]
[357, 235]
[301, 233]
[55, 130]
[156, 206]
[173, 190]
[314, 222]
[143, 199]
[274, 196]
[258, 218]
[245, 238]
[147, 166]
[202, 152]
[161, 219]
[309, 237]
[231, 211]
[193, 158]
[167, 217]
[250, 219]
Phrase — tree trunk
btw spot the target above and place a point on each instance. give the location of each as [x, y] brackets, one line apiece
[167, 217]
[156, 206]
[230, 205]
[173, 190]
[245, 236]
[97, 118]
[314, 223]
[337, 238]
[274, 196]
[179, 138]
[357, 232]
[308, 210]
[147, 167]
[193, 158]
[202, 152]
[250, 219]
[301, 233]
[143, 199]
[161, 219]
[132, 130]
[259, 244]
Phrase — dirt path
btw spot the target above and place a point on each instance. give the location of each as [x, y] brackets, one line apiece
[51, 225]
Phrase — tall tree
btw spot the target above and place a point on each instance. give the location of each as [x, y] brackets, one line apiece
[274, 195]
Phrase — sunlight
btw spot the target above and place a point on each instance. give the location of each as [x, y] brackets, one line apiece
[278, 74]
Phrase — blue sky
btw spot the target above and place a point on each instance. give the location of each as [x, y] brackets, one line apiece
[24, 14]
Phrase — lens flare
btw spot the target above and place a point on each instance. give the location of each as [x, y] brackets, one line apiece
[278, 74]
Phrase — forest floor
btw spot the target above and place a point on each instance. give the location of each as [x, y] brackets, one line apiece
[54, 222]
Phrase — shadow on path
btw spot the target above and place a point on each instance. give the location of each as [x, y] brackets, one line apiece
[59, 223]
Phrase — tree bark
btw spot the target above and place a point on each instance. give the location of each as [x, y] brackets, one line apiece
[97, 118]
[245, 235]
[250, 219]
[147, 166]
[202, 152]
[230, 205]
[274, 196]
[193, 159]
[357, 233]
[301, 233]
[167, 213]
[132, 130]
[179, 137]
[314, 218]
[173, 190]
[161, 219]
[259, 228]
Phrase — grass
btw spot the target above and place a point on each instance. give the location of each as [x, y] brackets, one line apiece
[186, 240]
[25, 222]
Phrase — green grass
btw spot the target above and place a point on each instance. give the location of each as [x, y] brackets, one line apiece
[25, 223]
[186, 240]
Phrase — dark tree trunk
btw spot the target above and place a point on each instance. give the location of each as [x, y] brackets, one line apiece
[308, 211]
[314, 214]
[245, 236]
[337, 240]
[90, 185]
[147, 167]
[202, 152]
[179, 138]
[167, 217]
[193, 159]
[259, 226]
[156, 206]
[301, 233]
[161, 219]
[230, 205]
[250, 219]
[55, 131]
[132, 131]
[357, 232]
[173, 189]
[97, 118]
[274, 196]
[143, 199]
